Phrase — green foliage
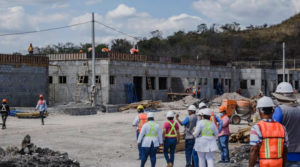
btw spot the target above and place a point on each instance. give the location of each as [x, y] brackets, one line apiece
[121, 46]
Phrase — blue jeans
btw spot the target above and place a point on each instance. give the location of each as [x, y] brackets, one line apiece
[170, 143]
[146, 151]
[139, 146]
[189, 145]
[195, 158]
[223, 146]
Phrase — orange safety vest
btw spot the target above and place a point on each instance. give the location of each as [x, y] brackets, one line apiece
[271, 148]
[142, 120]
[213, 119]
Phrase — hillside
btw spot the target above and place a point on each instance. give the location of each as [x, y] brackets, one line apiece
[254, 43]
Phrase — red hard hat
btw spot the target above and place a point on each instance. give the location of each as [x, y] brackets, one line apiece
[4, 101]
[41, 96]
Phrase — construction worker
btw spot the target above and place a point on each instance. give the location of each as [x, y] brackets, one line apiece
[206, 133]
[199, 91]
[171, 137]
[223, 136]
[214, 118]
[138, 122]
[288, 114]
[150, 139]
[30, 49]
[42, 107]
[268, 139]
[189, 124]
[4, 112]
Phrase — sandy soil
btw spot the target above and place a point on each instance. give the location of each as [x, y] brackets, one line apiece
[102, 140]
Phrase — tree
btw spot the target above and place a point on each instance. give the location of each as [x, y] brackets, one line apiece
[201, 28]
[156, 34]
[121, 45]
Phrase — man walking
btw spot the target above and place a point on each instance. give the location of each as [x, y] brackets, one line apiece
[224, 136]
[139, 121]
[268, 139]
[171, 137]
[4, 112]
[288, 114]
[42, 107]
[189, 124]
[150, 138]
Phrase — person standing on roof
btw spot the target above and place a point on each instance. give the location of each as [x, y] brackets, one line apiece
[171, 137]
[223, 136]
[138, 122]
[150, 139]
[206, 134]
[268, 139]
[42, 107]
[4, 112]
[189, 124]
[288, 114]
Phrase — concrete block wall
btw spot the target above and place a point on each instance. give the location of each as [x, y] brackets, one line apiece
[22, 84]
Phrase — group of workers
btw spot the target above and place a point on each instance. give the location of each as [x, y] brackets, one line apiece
[41, 107]
[275, 140]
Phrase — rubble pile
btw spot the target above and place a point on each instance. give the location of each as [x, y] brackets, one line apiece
[31, 155]
[240, 155]
[182, 104]
[231, 96]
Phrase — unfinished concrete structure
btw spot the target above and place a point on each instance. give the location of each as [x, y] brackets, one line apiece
[23, 78]
[70, 77]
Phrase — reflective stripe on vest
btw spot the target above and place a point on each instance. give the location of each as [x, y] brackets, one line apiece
[213, 119]
[207, 131]
[142, 120]
[152, 132]
[173, 129]
[271, 149]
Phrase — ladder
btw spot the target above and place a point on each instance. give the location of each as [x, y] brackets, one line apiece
[149, 83]
[80, 80]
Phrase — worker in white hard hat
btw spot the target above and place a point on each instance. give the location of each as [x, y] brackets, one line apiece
[202, 105]
[268, 138]
[206, 133]
[150, 139]
[171, 137]
[288, 114]
[189, 124]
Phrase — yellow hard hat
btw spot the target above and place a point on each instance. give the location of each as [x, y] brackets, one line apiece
[140, 107]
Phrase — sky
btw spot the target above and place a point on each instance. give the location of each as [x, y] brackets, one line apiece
[135, 17]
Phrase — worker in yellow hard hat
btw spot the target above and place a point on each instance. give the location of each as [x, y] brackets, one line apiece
[138, 122]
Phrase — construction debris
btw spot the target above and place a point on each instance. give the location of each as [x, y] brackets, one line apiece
[31, 155]
[230, 96]
[182, 104]
[241, 136]
[146, 104]
[239, 155]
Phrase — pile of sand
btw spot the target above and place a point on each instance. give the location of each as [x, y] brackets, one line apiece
[181, 104]
[230, 96]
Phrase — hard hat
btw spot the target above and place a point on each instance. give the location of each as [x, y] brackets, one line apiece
[192, 108]
[202, 105]
[170, 114]
[150, 115]
[284, 87]
[199, 112]
[206, 111]
[4, 101]
[140, 107]
[222, 108]
[265, 102]
[41, 96]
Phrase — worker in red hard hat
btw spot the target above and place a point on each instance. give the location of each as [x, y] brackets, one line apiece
[4, 112]
[42, 107]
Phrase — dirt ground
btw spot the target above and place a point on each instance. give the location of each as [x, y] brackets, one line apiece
[102, 140]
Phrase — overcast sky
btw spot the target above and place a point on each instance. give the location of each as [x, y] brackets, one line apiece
[135, 17]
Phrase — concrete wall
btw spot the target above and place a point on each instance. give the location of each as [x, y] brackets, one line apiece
[21, 84]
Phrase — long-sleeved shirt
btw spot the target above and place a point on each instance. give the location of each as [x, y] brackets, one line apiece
[146, 140]
[136, 122]
[225, 126]
[41, 105]
[5, 109]
[205, 143]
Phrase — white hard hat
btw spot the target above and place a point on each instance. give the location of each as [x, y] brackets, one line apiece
[192, 108]
[150, 115]
[202, 105]
[199, 112]
[284, 87]
[206, 111]
[170, 114]
[265, 102]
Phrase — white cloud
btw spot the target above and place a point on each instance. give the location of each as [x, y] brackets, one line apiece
[121, 11]
[247, 11]
[92, 2]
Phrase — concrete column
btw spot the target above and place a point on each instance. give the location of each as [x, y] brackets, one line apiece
[169, 83]
[145, 91]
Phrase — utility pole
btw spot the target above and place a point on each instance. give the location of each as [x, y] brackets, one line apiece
[93, 61]
[283, 62]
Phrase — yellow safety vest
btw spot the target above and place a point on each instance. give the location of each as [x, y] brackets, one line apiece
[152, 132]
[173, 129]
[207, 131]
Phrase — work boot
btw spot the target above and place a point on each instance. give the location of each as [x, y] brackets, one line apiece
[170, 164]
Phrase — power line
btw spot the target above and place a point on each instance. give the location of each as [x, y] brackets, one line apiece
[114, 29]
[43, 30]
